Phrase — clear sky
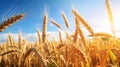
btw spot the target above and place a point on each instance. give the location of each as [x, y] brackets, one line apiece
[93, 11]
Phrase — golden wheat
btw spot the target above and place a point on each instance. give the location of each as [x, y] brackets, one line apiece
[109, 11]
[82, 37]
[44, 28]
[37, 53]
[64, 52]
[5, 24]
[110, 17]
[11, 51]
[83, 22]
[76, 30]
[80, 53]
[10, 38]
[20, 40]
[55, 23]
[65, 20]
[64, 62]
[102, 34]
[60, 37]
[39, 36]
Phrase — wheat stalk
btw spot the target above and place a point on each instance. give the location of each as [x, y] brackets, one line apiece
[60, 46]
[82, 37]
[79, 31]
[40, 57]
[60, 37]
[76, 30]
[11, 51]
[83, 22]
[102, 34]
[5, 24]
[110, 17]
[12, 47]
[10, 38]
[44, 28]
[80, 53]
[109, 11]
[65, 20]
[55, 23]
[64, 62]
[20, 40]
[39, 37]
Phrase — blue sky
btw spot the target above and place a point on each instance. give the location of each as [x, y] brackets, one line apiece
[93, 11]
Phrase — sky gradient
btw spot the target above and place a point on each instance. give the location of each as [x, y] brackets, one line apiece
[93, 11]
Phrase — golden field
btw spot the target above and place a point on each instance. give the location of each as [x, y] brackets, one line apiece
[97, 50]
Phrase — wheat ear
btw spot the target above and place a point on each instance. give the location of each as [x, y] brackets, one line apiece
[76, 30]
[110, 17]
[5, 24]
[40, 57]
[83, 22]
[102, 35]
[80, 53]
[11, 51]
[39, 36]
[65, 20]
[10, 39]
[55, 23]
[60, 37]
[44, 28]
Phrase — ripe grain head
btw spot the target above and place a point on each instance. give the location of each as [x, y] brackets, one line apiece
[5, 24]
[65, 20]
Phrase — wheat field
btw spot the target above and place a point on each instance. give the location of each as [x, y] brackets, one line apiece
[99, 50]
